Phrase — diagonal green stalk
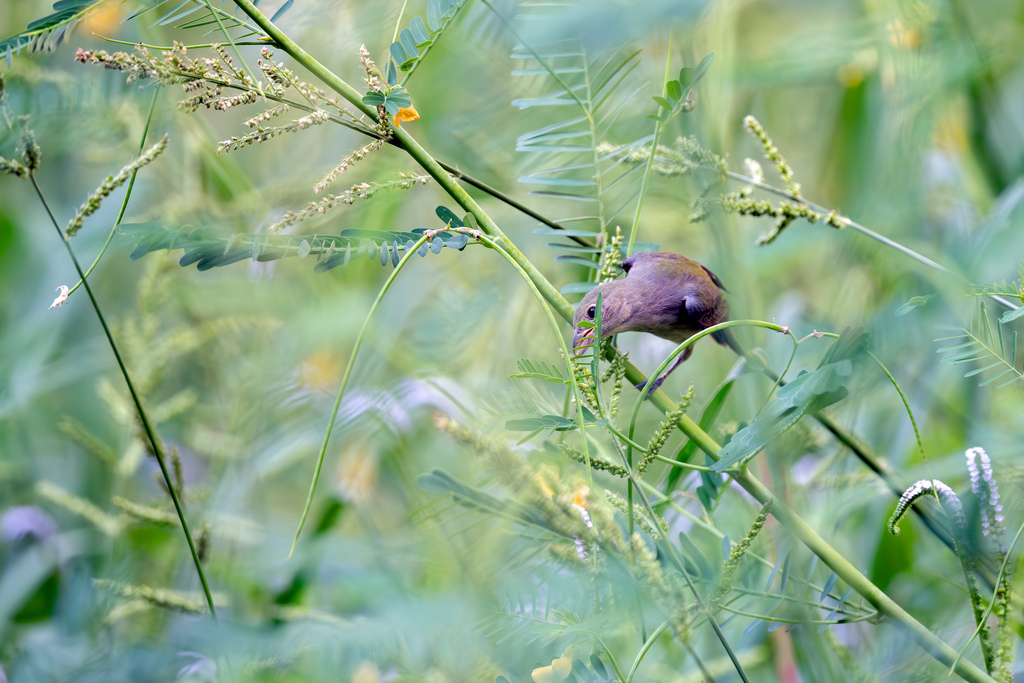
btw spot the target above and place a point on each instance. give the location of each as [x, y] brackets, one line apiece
[409, 253]
[643, 651]
[143, 417]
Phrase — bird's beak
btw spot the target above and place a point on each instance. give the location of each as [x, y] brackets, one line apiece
[582, 339]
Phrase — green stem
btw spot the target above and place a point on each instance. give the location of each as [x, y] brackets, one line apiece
[611, 659]
[143, 417]
[684, 465]
[928, 641]
[409, 253]
[906, 403]
[783, 620]
[398, 22]
[565, 351]
[906, 251]
[127, 195]
[658, 129]
[991, 603]
[231, 41]
[643, 650]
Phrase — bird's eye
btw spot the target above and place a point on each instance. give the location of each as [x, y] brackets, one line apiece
[591, 311]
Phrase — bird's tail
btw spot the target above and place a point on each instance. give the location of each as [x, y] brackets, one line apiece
[727, 338]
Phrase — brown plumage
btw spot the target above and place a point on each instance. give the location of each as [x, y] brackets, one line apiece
[663, 293]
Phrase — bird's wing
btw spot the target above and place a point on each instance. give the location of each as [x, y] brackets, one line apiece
[714, 278]
[701, 305]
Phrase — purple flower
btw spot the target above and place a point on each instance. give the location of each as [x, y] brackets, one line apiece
[25, 522]
[202, 667]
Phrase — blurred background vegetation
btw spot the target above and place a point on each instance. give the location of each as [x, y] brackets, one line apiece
[904, 116]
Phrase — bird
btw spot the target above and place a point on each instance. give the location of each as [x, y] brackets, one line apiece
[664, 294]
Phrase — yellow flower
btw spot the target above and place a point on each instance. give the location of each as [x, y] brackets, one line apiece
[357, 474]
[104, 20]
[579, 497]
[558, 671]
[406, 114]
[366, 672]
[321, 370]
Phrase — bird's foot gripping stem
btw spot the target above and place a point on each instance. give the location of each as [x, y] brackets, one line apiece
[654, 387]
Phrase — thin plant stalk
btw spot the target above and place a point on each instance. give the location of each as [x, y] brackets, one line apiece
[143, 417]
[580, 421]
[409, 253]
[992, 602]
[659, 128]
[643, 650]
[127, 195]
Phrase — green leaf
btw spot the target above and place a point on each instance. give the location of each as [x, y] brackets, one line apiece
[808, 393]
[448, 217]
[433, 15]
[401, 99]
[47, 33]
[529, 424]
[419, 31]
[674, 90]
[693, 553]
[565, 233]
[409, 42]
[539, 370]
[707, 420]
[391, 107]
[458, 241]
[398, 52]
[1012, 314]
[915, 302]
[553, 422]
[664, 103]
[373, 99]
[702, 68]
[686, 76]
[575, 248]
[577, 288]
[578, 260]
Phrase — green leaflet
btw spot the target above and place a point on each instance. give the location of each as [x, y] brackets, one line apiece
[208, 249]
[808, 393]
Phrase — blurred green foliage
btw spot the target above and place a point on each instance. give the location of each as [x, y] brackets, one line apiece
[904, 116]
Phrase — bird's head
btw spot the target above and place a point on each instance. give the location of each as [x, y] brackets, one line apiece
[616, 314]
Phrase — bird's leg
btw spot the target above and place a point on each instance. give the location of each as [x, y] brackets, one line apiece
[657, 383]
